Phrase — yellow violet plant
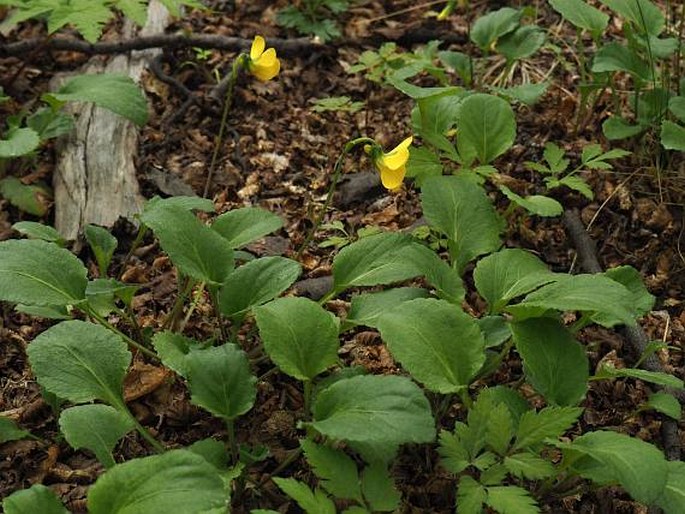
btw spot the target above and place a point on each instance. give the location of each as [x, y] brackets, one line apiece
[264, 65]
[392, 167]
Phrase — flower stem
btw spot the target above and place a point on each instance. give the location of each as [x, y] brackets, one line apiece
[337, 172]
[228, 100]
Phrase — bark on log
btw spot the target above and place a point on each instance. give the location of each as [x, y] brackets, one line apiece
[95, 177]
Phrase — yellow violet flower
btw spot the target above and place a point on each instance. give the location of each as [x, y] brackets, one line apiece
[263, 63]
[392, 165]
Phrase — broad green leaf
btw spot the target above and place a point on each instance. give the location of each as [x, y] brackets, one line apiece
[442, 145]
[677, 106]
[470, 496]
[29, 198]
[616, 57]
[439, 112]
[459, 62]
[521, 43]
[553, 361]
[243, 226]
[379, 259]
[299, 336]
[445, 279]
[511, 499]
[440, 345]
[489, 28]
[80, 362]
[256, 283]
[654, 377]
[672, 136]
[118, 93]
[495, 330]
[34, 230]
[220, 380]
[454, 457]
[423, 163]
[615, 128]
[34, 500]
[355, 509]
[661, 48]
[487, 128]
[312, 502]
[194, 248]
[504, 275]
[529, 466]
[666, 404]
[379, 489]
[103, 245]
[101, 294]
[639, 467]
[645, 15]
[18, 142]
[173, 349]
[550, 422]
[535, 204]
[582, 15]
[629, 277]
[49, 123]
[336, 470]
[188, 203]
[177, 481]
[9, 431]
[672, 499]
[462, 211]
[586, 293]
[418, 92]
[375, 410]
[212, 451]
[96, 428]
[366, 309]
[44, 311]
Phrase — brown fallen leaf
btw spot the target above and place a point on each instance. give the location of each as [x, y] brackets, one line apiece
[142, 379]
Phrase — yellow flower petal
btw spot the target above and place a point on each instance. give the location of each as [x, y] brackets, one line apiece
[258, 46]
[392, 178]
[393, 165]
[398, 156]
[265, 73]
[268, 58]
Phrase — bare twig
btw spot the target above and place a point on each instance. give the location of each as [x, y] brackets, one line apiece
[634, 336]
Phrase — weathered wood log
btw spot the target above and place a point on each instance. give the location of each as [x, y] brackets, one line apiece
[95, 177]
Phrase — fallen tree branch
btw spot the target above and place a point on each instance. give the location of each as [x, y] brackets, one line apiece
[168, 41]
[634, 336]
[286, 47]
